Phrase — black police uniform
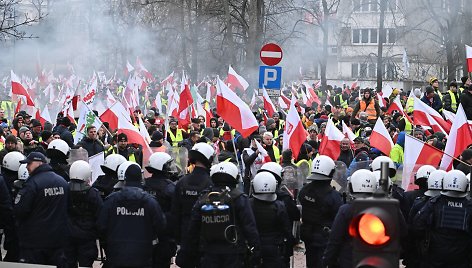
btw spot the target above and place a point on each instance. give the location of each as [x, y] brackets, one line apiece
[11, 243]
[104, 184]
[84, 206]
[187, 191]
[130, 222]
[320, 203]
[409, 199]
[414, 254]
[61, 169]
[41, 214]
[446, 223]
[221, 248]
[274, 227]
[293, 216]
[6, 213]
[162, 188]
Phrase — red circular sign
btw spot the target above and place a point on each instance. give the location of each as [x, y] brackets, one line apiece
[271, 54]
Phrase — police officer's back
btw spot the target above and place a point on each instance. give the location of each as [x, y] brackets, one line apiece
[189, 187]
[421, 179]
[273, 223]
[41, 213]
[131, 220]
[222, 224]
[58, 151]
[84, 206]
[162, 188]
[320, 203]
[362, 184]
[104, 183]
[446, 222]
[6, 210]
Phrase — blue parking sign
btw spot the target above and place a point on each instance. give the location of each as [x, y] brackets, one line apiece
[270, 77]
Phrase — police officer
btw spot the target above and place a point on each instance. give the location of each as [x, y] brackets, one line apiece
[189, 187]
[320, 203]
[221, 224]
[6, 217]
[131, 222]
[362, 184]
[421, 179]
[162, 188]
[272, 221]
[104, 183]
[10, 166]
[121, 175]
[41, 214]
[84, 206]
[414, 253]
[18, 184]
[394, 190]
[58, 151]
[446, 222]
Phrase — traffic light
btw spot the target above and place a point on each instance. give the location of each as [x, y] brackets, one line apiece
[375, 232]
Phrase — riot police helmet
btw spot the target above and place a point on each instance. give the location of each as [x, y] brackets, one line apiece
[11, 161]
[455, 184]
[435, 183]
[322, 168]
[264, 186]
[224, 173]
[376, 165]
[424, 172]
[23, 173]
[203, 153]
[362, 181]
[122, 169]
[81, 171]
[58, 148]
[159, 161]
[276, 169]
[112, 162]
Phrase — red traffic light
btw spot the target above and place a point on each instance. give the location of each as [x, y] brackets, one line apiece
[372, 230]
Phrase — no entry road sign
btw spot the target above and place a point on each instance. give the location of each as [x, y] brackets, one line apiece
[271, 54]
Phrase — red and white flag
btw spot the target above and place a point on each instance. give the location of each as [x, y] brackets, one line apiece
[468, 55]
[18, 89]
[44, 115]
[140, 68]
[387, 91]
[284, 102]
[311, 95]
[185, 102]
[268, 105]
[234, 110]
[382, 102]
[380, 138]
[427, 116]
[110, 98]
[354, 84]
[168, 80]
[459, 139]
[114, 113]
[396, 105]
[263, 152]
[294, 132]
[129, 68]
[234, 80]
[348, 132]
[450, 116]
[417, 154]
[331, 143]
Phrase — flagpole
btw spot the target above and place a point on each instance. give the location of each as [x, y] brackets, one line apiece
[236, 154]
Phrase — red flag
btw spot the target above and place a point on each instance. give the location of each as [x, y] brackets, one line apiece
[185, 102]
[294, 132]
[459, 139]
[268, 105]
[284, 102]
[380, 138]
[234, 110]
[235, 80]
[331, 143]
[416, 154]
[427, 116]
[468, 54]
[354, 85]
[112, 114]
[348, 132]
[396, 105]
[18, 89]
[312, 97]
[18, 106]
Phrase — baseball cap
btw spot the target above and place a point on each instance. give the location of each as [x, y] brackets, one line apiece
[34, 156]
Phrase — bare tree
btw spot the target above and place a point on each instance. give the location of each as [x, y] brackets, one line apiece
[12, 21]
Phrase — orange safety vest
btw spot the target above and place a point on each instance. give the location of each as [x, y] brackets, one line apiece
[370, 109]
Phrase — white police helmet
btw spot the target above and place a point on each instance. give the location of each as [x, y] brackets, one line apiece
[202, 152]
[224, 173]
[424, 172]
[159, 161]
[264, 186]
[23, 173]
[435, 183]
[455, 184]
[80, 170]
[59, 145]
[377, 174]
[122, 169]
[274, 168]
[322, 168]
[11, 161]
[363, 181]
[112, 162]
[376, 164]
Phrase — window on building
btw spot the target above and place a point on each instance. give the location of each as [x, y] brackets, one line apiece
[373, 36]
[365, 5]
[354, 70]
[373, 6]
[393, 5]
[392, 36]
[356, 5]
[356, 36]
[372, 70]
[363, 70]
[365, 36]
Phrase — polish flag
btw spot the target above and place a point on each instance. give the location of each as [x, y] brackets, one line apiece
[354, 84]
[387, 90]
[169, 79]
[348, 132]
[268, 105]
[112, 115]
[427, 116]
[143, 130]
[49, 91]
[253, 99]
[304, 98]
[158, 103]
[294, 132]
[110, 98]
[311, 95]
[234, 110]
[450, 116]
[18, 89]
[417, 154]
[173, 105]
[380, 138]
[129, 68]
[396, 105]
[185, 102]
[44, 115]
[209, 93]
[468, 55]
[331, 143]
[234, 80]
[382, 102]
[284, 102]
[263, 152]
[140, 67]
[459, 139]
